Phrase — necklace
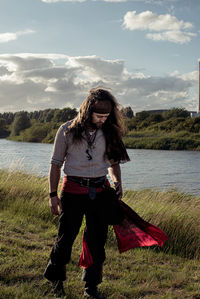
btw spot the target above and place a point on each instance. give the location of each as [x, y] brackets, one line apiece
[90, 135]
[91, 132]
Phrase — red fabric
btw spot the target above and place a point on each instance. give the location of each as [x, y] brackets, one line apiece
[136, 232]
[76, 188]
[130, 236]
[86, 259]
[131, 233]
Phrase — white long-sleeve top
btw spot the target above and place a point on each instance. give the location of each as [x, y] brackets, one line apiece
[74, 156]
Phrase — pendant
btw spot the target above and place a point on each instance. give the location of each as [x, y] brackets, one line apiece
[91, 132]
[88, 155]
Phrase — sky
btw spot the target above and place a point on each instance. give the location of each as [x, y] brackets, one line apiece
[52, 52]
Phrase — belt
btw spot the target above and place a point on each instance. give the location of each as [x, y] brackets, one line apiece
[88, 182]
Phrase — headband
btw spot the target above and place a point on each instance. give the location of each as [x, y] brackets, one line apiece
[102, 107]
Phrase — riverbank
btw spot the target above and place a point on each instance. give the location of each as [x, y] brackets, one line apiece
[158, 140]
[28, 231]
[138, 140]
[170, 130]
[134, 139]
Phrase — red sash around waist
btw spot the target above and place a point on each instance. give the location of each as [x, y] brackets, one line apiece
[76, 188]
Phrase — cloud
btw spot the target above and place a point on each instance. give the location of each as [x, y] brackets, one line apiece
[148, 20]
[3, 71]
[190, 77]
[95, 68]
[10, 36]
[169, 28]
[158, 2]
[38, 81]
[172, 36]
[54, 1]
[117, 1]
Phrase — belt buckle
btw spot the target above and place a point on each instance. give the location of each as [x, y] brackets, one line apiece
[85, 182]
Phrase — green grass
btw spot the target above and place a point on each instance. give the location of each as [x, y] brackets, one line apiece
[152, 139]
[28, 231]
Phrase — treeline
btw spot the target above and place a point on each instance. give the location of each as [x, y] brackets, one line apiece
[175, 119]
[39, 126]
[172, 129]
[42, 116]
[36, 126]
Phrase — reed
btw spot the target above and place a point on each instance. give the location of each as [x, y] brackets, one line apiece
[28, 231]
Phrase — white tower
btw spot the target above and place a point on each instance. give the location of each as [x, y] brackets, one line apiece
[199, 90]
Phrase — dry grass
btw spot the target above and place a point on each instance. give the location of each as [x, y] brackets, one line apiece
[28, 231]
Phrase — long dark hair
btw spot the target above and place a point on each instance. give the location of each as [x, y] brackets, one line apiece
[113, 128]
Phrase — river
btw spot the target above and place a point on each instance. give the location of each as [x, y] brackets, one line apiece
[147, 169]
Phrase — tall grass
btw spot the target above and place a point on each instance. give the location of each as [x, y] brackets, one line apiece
[176, 213]
[28, 231]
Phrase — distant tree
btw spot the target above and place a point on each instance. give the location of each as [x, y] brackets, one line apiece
[21, 122]
[34, 115]
[155, 118]
[8, 116]
[2, 123]
[127, 112]
[57, 115]
[176, 112]
[63, 115]
[37, 132]
[50, 115]
[142, 115]
[46, 115]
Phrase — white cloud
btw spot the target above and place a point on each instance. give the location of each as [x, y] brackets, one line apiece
[39, 81]
[54, 1]
[192, 76]
[169, 27]
[148, 20]
[158, 2]
[180, 37]
[10, 36]
[116, 1]
[96, 68]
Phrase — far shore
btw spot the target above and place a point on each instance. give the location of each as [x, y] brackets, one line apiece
[143, 141]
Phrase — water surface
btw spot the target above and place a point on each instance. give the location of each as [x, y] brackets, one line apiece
[147, 169]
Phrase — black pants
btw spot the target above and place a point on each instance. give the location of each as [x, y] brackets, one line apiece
[75, 206]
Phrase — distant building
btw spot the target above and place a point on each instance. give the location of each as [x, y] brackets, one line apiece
[199, 89]
[194, 113]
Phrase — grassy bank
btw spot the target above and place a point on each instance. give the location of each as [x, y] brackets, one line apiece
[150, 139]
[136, 139]
[28, 231]
[172, 129]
